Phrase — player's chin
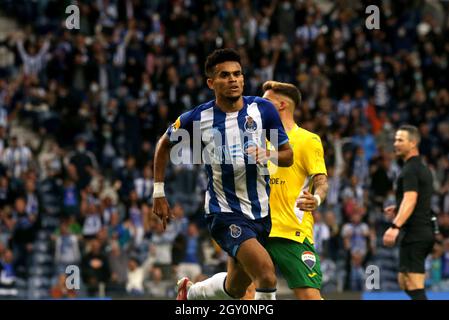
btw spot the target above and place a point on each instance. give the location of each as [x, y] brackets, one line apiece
[234, 97]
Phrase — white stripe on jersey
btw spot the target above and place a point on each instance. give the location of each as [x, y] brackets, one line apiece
[298, 212]
[206, 202]
[235, 142]
[254, 112]
[206, 122]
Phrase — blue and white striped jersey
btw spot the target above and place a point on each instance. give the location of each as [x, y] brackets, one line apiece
[235, 183]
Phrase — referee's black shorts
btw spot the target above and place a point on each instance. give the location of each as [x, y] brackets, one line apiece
[412, 255]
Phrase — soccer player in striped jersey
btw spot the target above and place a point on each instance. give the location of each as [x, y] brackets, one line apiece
[291, 200]
[231, 130]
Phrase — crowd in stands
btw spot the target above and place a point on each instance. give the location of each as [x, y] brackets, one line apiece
[98, 98]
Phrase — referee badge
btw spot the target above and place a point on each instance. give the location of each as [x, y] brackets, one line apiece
[309, 259]
[236, 231]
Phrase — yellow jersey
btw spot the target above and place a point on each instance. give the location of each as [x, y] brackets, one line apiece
[287, 183]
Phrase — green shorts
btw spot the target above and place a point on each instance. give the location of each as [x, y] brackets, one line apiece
[298, 262]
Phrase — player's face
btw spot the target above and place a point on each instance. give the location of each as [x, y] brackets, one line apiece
[402, 144]
[227, 81]
[273, 98]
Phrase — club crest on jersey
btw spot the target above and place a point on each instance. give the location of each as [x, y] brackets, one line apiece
[308, 258]
[236, 231]
[250, 125]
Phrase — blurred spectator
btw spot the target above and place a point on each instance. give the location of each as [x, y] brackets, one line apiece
[7, 273]
[334, 242]
[67, 249]
[357, 272]
[355, 235]
[187, 253]
[144, 185]
[135, 216]
[91, 214]
[95, 268]
[118, 262]
[155, 287]
[434, 270]
[135, 277]
[329, 272]
[22, 236]
[59, 289]
[84, 162]
[321, 234]
[16, 158]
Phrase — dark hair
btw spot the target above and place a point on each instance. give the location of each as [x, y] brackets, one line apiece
[220, 56]
[413, 132]
[285, 89]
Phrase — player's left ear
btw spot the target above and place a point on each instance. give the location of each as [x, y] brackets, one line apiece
[282, 105]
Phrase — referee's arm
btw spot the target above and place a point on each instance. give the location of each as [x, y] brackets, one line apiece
[406, 208]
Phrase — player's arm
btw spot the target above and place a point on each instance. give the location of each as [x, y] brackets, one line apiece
[283, 157]
[161, 157]
[313, 161]
[320, 185]
[308, 201]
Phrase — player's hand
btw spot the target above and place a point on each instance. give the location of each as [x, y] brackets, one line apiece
[390, 212]
[162, 210]
[390, 237]
[307, 202]
[258, 153]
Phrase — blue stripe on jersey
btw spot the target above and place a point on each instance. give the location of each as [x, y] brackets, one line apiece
[214, 207]
[268, 190]
[227, 170]
[251, 169]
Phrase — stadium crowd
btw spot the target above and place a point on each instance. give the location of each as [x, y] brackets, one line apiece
[98, 98]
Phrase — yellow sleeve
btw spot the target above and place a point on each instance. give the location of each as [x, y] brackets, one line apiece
[313, 156]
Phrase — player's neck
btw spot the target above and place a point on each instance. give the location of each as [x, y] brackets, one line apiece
[227, 105]
[287, 122]
[411, 154]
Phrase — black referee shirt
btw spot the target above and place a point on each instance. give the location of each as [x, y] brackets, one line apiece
[415, 176]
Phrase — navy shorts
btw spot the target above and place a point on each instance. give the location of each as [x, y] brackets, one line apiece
[230, 230]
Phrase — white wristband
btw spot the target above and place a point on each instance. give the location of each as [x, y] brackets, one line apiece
[318, 199]
[158, 191]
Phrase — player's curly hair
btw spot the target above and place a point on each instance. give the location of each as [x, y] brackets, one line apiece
[285, 89]
[220, 56]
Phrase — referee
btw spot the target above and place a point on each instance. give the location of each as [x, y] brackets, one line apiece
[414, 190]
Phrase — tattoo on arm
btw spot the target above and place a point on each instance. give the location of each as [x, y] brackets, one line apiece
[320, 185]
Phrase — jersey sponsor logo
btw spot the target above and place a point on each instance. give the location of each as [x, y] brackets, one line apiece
[309, 259]
[250, 125]
[236, 231]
